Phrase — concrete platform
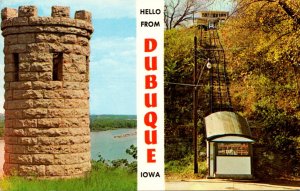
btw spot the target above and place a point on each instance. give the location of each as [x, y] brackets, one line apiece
[217, 184]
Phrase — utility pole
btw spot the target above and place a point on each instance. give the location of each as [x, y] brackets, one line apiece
[195, 104]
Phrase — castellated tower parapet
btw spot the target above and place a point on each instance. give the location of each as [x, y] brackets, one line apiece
[46, 92]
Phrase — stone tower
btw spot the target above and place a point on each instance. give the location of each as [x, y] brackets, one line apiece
[46, 92]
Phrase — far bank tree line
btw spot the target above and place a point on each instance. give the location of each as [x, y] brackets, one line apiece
[100, 122]
[108, 122]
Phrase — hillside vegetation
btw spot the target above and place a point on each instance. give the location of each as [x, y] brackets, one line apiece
[263, 51]
[262, 46]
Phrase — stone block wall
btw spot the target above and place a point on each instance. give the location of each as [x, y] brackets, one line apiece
[46, 92]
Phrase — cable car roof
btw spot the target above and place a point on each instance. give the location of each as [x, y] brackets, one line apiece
[226, 123]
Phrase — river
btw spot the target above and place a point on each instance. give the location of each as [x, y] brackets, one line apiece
[111, 144]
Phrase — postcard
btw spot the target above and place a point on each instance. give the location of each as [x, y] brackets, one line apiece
[149, 95]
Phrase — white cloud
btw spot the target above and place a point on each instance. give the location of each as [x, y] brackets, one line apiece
[113, 74]
[112, 68]
[118, 43]
[221, 5]
[115, 48]
[100, 8]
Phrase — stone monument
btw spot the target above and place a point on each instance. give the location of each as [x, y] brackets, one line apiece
[46, 106]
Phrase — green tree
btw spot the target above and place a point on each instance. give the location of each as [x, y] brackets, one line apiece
[179, 68]
[262, 44]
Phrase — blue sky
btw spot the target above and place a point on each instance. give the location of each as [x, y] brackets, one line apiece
[222, 5]
[112, 59]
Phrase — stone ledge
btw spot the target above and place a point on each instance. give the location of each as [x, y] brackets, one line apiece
[86, 32]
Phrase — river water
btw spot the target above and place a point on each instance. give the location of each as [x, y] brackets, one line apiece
[112, 144]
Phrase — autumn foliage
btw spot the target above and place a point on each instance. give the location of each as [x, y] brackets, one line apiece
[262, 43]
[261, 39]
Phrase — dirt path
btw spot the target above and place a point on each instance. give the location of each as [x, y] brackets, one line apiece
[1, 156]
[213, 184]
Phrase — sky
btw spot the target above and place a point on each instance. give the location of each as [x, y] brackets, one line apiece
[112, 59]
[222, 5]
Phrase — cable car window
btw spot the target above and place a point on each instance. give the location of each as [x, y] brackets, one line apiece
[233, 149]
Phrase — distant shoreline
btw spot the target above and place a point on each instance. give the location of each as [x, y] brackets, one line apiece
[97, 130]
[100, 122]
[113, 128]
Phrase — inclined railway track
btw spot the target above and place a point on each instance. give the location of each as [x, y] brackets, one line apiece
[212, 50]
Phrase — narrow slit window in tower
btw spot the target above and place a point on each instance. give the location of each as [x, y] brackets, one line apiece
[16, 64]
[57, 66]
[87, 68]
